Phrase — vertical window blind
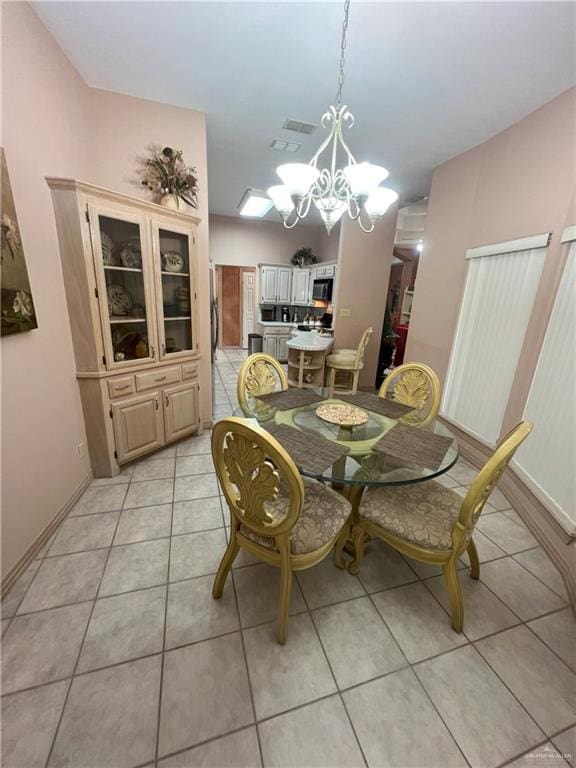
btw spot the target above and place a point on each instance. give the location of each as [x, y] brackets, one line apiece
[496, 306]
[548, 457]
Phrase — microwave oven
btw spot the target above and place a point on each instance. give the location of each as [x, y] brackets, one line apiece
[322, 289]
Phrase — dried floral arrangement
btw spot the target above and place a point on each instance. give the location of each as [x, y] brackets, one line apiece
[165, 172]
[303, 258]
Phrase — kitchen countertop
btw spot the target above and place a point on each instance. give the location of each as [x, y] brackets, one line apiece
[277, 324]
[311, 342]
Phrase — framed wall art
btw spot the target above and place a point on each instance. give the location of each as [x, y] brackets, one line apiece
[17, 305]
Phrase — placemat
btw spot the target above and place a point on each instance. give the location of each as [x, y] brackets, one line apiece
[290, 398]
[381, 405]
[418, 446]
[311, 452]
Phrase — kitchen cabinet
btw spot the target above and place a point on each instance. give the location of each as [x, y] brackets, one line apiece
[275, 285]
[301, 289]
[130, 277]
[274, 343]
[284, 285]
[180, 410]
[268, 281]
[138, 425]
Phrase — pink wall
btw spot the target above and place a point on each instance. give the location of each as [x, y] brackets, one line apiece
[362, 286]
[55, 125]
[519, 183]
[247, 243]
[44, 131]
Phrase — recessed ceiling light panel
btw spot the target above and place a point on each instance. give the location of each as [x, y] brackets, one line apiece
[285, 146]
[255, 203]
[299, 126]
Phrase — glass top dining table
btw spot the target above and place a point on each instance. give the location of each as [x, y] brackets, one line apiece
[362, 465]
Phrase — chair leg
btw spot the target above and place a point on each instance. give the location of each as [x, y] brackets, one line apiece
[474, 561]
[224, 567]
[455, 593]
[339, 560]
[284, 600]
[355, 376]
[331, 381]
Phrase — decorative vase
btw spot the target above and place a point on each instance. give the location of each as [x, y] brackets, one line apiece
[170, 201]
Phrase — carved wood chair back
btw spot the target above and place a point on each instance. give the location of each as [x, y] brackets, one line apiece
[486, 480]
[252, 467]
[417, 385]
[260, 374]
[361, 349]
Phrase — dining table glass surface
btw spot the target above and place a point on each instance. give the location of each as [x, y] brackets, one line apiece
[363, 464]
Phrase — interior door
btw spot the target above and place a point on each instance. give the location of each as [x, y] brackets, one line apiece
[174, 250]
[181, 410]
[122, 260]
[138, 426]
[231, 329]
[248, 305]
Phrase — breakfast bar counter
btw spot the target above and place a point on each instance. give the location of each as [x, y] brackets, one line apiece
[306, 357]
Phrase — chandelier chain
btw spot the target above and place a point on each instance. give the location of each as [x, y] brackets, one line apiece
[342, 53]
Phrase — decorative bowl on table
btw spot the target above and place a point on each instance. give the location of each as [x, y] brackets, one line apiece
[341, 414]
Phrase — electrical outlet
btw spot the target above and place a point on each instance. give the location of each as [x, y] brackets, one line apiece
[344, 312]
[81, 450]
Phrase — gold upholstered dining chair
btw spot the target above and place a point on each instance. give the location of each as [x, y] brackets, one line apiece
[431, 523]
[275, 515]
[414, 384]
[259, 374]
[349, 360]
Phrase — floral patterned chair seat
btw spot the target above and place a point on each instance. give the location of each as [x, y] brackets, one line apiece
[423, 513]
[324, 513]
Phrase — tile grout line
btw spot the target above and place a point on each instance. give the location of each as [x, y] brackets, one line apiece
[81, 648]
[338, 691]
[163, 652]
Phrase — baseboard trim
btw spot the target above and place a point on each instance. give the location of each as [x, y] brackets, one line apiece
[21, 565]
[558, 544]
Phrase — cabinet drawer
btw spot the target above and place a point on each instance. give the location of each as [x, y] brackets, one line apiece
[189, 371]
[121, 387]
[158, 378]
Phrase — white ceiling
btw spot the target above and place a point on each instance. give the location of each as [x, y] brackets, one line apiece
[425, 81]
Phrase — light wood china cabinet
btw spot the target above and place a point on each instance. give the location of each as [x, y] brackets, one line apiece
[130, 276]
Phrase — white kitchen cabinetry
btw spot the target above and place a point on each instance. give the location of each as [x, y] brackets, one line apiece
[275, 285]
[274, 342]
[301, 286]
[130, 277]
[284, 285]
[268, 281]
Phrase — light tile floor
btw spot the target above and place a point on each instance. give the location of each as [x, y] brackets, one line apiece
[115, 655]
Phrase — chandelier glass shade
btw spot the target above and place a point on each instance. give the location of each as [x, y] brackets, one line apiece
[341, 184]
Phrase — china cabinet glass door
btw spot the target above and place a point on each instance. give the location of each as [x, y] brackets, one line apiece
[124, 287]
[175, 288]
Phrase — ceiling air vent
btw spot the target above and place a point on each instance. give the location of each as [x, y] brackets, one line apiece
[285, 146]
[299, 126]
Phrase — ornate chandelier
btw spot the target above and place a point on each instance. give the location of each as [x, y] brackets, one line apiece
[334, 189]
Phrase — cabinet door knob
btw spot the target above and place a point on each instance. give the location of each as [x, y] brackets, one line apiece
[152, 352]
[157, 403]
[166, 400]
[163, 350]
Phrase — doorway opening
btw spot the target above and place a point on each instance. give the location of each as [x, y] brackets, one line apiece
[236, 293]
